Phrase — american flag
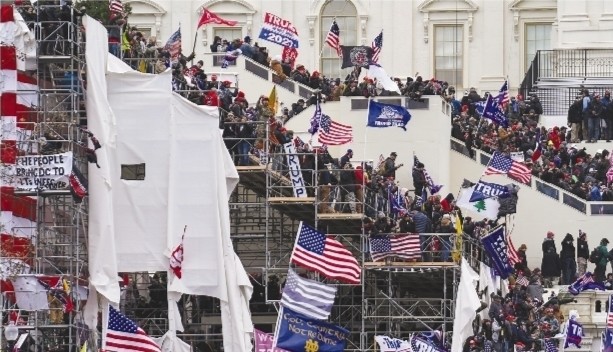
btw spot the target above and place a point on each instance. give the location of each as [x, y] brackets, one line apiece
[333, 38]
[173, 45]
[610, 314]
[512, 254]
[551, 345]
[401, 246]
[315, 251]
[503, 94]
[501, 164]
[334, 133]
[377, 45]
[309, 297]
[123, 335]
[116, 6]
[522, 280]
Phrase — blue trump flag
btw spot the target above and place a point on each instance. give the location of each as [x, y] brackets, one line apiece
[485, 190]
[585, 282]
[493, 111]
[296, 332]
[495, 246]
[387, 115]
[574, 333]
[607, 341]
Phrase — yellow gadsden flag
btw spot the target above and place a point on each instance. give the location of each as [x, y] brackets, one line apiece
[272, 100]
[456, 254]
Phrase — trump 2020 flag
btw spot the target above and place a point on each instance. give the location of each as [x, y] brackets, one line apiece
[356, 56]
[297, 332]
[574, 333]
[493, 111]
[421, 344]
[585, 282]
[485, 190]
[387, 115]
[486, 208]
[390, 344]
[495, 246]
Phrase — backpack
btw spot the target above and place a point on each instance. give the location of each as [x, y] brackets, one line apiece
[382, 171]
[595, 256]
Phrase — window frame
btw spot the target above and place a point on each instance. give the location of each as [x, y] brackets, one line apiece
[461, 77]
[527, 61]
[325, 21]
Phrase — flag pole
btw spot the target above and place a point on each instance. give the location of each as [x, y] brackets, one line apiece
[194, 47]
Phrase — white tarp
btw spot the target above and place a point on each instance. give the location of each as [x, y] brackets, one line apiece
[467, 303]
[142, 108]
[101, 121]
[188, 178]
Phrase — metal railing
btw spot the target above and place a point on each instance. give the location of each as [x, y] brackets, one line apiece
[267, 74]
[554, 192]
[568, 63]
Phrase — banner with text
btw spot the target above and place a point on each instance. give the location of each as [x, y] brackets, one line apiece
[264, 342]
[39, 172]
[390, 344]
[296, 332]
[279, 31]
[295, 172]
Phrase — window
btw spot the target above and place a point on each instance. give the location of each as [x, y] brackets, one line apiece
[133, 172]
[229, 34]
[538, 37]
[346, 17]
[449, 54]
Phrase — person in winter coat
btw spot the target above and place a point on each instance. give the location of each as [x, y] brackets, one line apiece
[550, 265]
[523, 260]
[575, 119]
[583, 253]
[419, 178]
[275, 65]
[601, 264]
[567, 260]
[390, 165]
[447, 203]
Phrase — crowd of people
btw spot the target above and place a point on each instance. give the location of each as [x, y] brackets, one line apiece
[519, 318]
[523, 318]
[553, 154]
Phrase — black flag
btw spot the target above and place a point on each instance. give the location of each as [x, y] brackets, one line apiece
[356, 56]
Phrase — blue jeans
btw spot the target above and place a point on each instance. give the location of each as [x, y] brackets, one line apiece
[445, 247]
[114, 49]
[593, 127]
[243, 153]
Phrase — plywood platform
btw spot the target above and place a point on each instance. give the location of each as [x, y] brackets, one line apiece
[339, 216]
[400, 265]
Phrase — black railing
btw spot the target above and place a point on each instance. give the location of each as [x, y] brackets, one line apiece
[557, 100]
[530, 78]
[568, 63]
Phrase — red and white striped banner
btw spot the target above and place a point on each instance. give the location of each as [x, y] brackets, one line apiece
[18, 100]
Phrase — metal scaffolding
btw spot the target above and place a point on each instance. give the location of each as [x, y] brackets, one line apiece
[395, 298]
[59, 252]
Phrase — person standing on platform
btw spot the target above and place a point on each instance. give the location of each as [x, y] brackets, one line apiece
[550, 265]
[583, 253]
